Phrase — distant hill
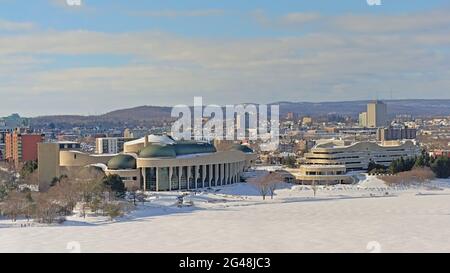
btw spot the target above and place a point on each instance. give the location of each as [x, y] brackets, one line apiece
[154, 115]
[353, 108]
[142, 115]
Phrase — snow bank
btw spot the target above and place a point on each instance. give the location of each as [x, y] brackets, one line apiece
[342, 218]
[372, 182]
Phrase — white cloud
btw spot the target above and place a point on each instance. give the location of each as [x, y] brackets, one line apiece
[300, 18]
[16, 26]
[430, 20]
[180, 13]
[296, 19]
[329, 64]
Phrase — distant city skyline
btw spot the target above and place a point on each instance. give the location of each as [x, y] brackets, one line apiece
[108, 55]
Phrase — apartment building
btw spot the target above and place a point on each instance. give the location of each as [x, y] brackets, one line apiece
[21, 147]
[110, 145]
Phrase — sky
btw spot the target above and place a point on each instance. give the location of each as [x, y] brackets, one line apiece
[57, 58]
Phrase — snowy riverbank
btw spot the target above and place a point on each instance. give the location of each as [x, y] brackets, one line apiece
[343, 218]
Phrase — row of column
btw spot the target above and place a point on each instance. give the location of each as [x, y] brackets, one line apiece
[191, 177]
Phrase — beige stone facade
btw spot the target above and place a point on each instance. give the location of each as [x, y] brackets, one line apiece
[357, 156]
[154, 163]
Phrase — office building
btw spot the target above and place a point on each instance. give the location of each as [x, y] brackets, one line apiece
[357, 156]
[291, 116]
[377, 114]
[387, 134]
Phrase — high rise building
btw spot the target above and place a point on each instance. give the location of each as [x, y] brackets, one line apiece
[290, 116]
[363, 119]
[376, 114]
[21, 147]
[387, 134]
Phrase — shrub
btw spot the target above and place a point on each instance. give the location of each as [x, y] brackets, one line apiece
[113, 210]
[441, 167]
[416, 175]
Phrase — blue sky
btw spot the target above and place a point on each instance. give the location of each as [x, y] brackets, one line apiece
[232, 20]
[105, 55]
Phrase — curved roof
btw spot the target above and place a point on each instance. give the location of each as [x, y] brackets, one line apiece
[192, 147]
[157, 139]
[122, 162]
[179, 148]
[158, 150]
[242, 148]
[364, 145]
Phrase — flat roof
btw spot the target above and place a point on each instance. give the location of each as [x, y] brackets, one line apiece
[311, 166]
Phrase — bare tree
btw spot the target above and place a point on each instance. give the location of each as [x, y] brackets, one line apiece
[13, 206]
[47, 208]
[416, 175]
[113, 210]
[133, 190]
[67, 195]
[314, 187]
[275, 179]
[267, 184]
[83, 186]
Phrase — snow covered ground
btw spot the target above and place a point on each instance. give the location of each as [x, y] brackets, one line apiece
[345, 218]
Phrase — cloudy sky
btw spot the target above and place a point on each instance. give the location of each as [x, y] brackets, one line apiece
[111, 54]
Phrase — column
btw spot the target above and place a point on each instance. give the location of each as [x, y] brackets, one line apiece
[188, 177]
[180, 174]
[157, 179]
[203, 175]
[196, 174]
[170, 178]
[227, 173]
[210, 174]
[144, 178]
[217, 172]
[222, 174]
[233, 172]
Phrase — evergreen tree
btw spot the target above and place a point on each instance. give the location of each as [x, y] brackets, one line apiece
[115, 183]
[441, 167]
[28, 168]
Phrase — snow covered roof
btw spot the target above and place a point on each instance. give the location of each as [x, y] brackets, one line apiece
[153, 139]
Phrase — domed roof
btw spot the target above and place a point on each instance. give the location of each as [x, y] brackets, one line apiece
[122, 162]
[192, 147]
[158, 150]
[242, 148]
